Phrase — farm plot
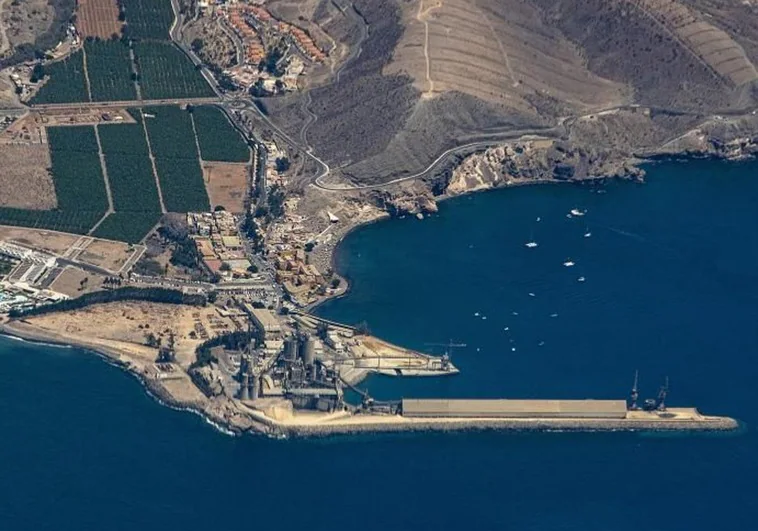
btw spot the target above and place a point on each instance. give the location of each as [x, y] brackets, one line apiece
[77, 175]
[165, 73]
[130, 227]
[182, 185]
[132, 183]
[74, 222]
[110, 71]
[172, 140]
[127, 139]
[148, 19]
[67, 83]
[171, 133]
[78, 181]
[98, 18]
[219, 140]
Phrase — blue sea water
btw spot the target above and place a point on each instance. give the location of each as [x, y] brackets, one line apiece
[671, 288]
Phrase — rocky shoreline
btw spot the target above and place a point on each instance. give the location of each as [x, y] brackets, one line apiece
[227, 418]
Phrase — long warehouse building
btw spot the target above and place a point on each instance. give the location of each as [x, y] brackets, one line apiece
[587, 409]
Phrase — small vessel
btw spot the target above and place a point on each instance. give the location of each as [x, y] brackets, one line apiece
[531, 245]
[569, 263]
[539, 219]
[587, 234]
[580, 279]
[578, 213]
[532, 294]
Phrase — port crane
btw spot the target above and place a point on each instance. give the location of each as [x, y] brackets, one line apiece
[650, 404]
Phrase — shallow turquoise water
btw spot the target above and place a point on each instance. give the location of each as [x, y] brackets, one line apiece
[671, 270]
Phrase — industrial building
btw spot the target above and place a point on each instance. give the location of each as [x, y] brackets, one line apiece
[586, 409]
[265, 321]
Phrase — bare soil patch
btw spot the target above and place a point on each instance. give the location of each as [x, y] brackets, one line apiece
[131, 322]
[98, 18]
[75, 282]
[25, 179]
[44, 240]
[110, 255]
[226, 185]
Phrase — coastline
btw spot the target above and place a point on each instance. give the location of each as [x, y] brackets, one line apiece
[342, 423]
[225, 413]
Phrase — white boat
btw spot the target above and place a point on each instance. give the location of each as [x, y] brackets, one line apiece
[531, 245]
[581, 279]
[578, 213]
[587, 234]
[569, 263]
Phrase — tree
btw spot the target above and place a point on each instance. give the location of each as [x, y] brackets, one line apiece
[151, 340]
[336, 283]
[38, 72]
[226, 267]
[197, 45]
[282, 164]
[309, 246]
[252, 269]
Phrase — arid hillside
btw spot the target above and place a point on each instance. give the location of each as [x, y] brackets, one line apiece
[425, 76]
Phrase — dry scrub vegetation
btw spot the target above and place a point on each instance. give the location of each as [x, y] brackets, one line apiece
[431, 75]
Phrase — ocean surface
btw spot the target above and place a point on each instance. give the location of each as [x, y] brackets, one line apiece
[670, 288]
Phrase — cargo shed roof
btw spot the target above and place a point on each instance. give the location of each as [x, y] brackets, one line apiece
[516, 408]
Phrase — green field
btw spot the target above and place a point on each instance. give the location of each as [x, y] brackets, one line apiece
[77, 175]
[128, 227]
[218, 139]
[110, 71]
[78, 180]
[171, 133]
[166, 72]
[128, 139]
[67, 83]
[75, 222]
[182, 185]
[132, 183]
[130, 173]
[148, 19]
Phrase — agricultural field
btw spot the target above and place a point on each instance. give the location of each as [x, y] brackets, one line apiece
[130, 227]
[74, 222]
[110, 71]
[165, 72]
[67, 82]
[127, 139]
[219, 140]
[148, 19]
[132, 183]
[77, 175]
[98, 18]
[130, 173]
[182, 185]
[172, 141]
[78, 180]
[171, 133]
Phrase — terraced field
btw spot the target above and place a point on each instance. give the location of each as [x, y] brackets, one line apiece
[713, 46]
[490, 50]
